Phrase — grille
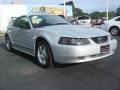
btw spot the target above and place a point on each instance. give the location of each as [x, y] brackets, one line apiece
[100, 39]
[105, 49]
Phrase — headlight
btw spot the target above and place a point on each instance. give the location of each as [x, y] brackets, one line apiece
[73, 41]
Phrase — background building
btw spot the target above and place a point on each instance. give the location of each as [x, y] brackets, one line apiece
[17, 8]
[51, 9]
[8, 11]
[70, 3]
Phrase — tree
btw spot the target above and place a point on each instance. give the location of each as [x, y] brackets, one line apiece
[96, 15]
[118, 11]
[78, 12]
[112, 14]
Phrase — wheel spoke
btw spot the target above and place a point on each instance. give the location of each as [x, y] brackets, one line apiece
[114, 31]
[42, 55]
[8, 44]
[44, 52]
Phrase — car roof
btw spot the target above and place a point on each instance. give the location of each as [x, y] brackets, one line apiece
[40, 15]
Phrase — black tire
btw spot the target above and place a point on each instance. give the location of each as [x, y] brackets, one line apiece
[8, 44]
[114, 31]
[48, 60]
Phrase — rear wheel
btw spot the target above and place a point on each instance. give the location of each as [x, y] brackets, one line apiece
[8, 44]
[44, 54]
[114, 31]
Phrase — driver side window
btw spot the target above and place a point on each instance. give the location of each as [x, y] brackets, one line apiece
[22, 22]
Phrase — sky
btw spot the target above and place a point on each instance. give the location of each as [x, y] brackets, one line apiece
[86, 5]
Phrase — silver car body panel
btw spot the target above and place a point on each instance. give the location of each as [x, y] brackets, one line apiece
[25, 41]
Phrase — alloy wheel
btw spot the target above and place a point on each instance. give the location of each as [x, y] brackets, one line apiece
[8, 44]
[42, 55]
[114, 31]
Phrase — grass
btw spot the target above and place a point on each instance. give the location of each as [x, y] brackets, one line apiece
[1, 34]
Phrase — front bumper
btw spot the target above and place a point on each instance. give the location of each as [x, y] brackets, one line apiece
[77, 54]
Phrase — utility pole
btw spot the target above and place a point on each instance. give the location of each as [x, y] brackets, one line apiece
[64, 8]
[12, 3]
[107, 11]
[0, 14]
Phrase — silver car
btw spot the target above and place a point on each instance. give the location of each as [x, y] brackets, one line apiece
[51, 39]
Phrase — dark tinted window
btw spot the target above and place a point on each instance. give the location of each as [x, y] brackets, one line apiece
[83, 18]
[117, 19]
[22, 22]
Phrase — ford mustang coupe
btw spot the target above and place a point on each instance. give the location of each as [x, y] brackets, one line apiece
[51, 39]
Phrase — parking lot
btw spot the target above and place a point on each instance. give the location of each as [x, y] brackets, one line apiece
[18, 71]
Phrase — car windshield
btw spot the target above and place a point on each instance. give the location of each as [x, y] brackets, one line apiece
[47, 20]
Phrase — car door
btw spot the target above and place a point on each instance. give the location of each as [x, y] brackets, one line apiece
[22, 35]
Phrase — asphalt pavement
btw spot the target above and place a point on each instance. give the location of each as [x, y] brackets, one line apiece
[18, 71]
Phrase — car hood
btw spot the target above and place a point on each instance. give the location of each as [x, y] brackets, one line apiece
[75, 31]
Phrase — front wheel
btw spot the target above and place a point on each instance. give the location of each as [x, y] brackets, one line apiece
[114, 31]
[8, 44]
[44, 54]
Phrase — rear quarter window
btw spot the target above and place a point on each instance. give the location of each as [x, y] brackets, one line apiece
[117, 19]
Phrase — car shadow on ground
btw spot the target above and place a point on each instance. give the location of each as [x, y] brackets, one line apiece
[33, 59]
[2, 45]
